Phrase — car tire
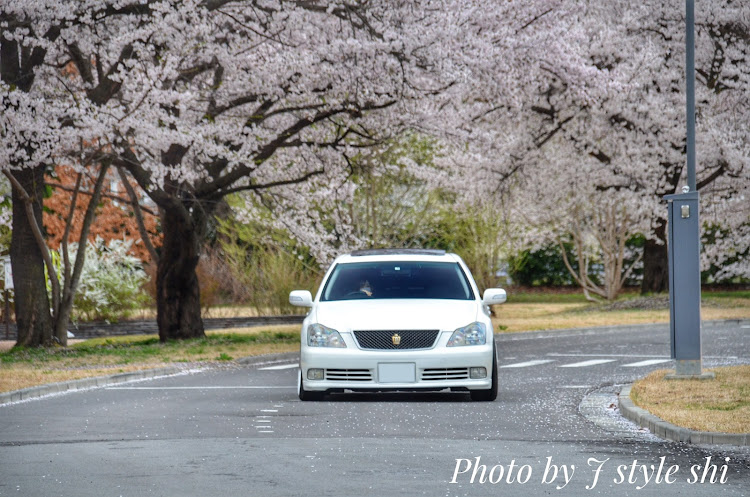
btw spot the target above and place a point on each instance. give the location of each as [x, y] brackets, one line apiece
[491, 394]
[305, 395]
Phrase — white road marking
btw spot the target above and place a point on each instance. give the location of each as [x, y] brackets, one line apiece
[650, 362]
[208, 387]
[575, 386]
[528, 363]
[281, 366]
[554, 354]
[269, 410]
[264, 421]
[265, 431]
[592, 362]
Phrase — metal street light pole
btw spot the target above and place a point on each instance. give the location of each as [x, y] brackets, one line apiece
[684, 241]
[690, 89]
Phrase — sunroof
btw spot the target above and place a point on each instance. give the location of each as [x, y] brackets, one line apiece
[398, 251]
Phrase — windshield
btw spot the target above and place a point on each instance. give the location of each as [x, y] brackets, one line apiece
[397, 280]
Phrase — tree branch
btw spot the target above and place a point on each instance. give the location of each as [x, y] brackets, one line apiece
[130, 162]
[103, 194]
[83, 65]
[264, 186]
[719, 171]
[138, 216]
[88, 219]
[102, 92]
[68, 224]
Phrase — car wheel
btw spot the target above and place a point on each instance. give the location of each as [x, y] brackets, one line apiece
[305, 395]
[491, 394]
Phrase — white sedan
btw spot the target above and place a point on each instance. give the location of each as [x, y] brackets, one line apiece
[389, 320]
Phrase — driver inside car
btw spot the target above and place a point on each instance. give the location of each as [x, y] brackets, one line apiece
[365, 288]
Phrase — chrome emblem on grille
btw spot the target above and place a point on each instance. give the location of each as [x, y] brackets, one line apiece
[396, 339]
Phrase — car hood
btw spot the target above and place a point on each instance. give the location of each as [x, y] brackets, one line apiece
[397, 314]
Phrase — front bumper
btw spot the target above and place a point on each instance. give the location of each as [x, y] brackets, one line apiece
[431, 369]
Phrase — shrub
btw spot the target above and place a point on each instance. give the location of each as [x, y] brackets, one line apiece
[111, 282]
[266, 265]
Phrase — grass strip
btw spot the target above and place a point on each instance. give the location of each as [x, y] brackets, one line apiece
[514, 317]
[25, 367]
[719, 405]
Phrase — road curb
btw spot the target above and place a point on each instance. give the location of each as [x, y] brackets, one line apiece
[666, 430]
[102, 381]
[85, 383]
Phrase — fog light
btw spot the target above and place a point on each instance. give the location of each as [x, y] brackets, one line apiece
[317, 374]
[474, 373]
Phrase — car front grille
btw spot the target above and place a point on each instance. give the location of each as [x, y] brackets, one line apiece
[349, 374]
[396, 339]
[437, 374]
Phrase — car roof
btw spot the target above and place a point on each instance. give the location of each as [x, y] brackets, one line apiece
[397, 251]
[393, 254]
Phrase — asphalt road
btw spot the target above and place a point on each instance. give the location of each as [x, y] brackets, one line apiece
[242, 431]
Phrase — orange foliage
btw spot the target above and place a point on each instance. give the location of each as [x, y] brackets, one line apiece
[114, 219]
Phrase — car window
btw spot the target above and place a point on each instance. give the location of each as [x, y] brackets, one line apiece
[397, 280]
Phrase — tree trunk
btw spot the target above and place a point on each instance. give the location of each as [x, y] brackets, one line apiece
[656, 262]
[32, 303]
[178, 302]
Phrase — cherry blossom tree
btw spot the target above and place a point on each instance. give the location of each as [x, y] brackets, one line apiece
[480, 124]
[44, 122]
[272, 97]
[252, 96]
[199, 99]
[28, 127]
[635, 128]
[569, 207]
[196, 100]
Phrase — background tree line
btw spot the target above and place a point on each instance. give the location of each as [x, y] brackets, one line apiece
[485, 129]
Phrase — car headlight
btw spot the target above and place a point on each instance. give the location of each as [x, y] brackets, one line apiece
[473, 334]
[323, 336]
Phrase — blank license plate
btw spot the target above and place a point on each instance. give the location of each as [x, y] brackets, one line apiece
[401, 372]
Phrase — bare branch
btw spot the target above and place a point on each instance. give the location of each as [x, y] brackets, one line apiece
[138, 216]
[103, 194]
[68, 224]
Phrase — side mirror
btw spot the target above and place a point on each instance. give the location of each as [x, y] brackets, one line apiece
[301, 298]
[494, 296]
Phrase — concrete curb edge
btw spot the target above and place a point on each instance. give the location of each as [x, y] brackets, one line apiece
[666, 430]
[102, 381]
